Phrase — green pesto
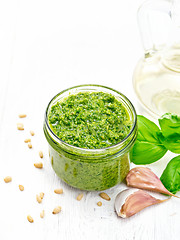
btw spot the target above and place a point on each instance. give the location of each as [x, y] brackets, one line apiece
[89, 174]
[91, 120]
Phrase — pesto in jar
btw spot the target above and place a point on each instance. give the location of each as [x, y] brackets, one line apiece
[90, 120]
[85, 129]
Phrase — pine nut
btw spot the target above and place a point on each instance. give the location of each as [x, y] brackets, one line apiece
[42, 214]
[27, 140]
[21, 187]
[38, 165]
[22, 115]
[41, 195]
[40, 154]
[79, 197]
[56, 210]
[58, 191]
[104, 196]
[30, 219]
[32, 133]
[20, 126]
[7, 179]
[38, 198]
[29, 145]
[99, 203]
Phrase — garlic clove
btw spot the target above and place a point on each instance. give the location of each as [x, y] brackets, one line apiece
[120, 200]
[144, 178]
[131, 201]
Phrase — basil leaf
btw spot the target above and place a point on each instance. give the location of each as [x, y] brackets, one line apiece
[170, 128]
[148, 147]
[147, 130]
[171, 175]
[146, 152]
[172, 143]
[170, 124]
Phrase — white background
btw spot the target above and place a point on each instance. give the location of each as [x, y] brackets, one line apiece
[45, 47]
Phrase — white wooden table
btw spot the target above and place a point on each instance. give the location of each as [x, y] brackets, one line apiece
[45, 47]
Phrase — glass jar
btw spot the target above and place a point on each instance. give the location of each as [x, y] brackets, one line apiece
[91, 169]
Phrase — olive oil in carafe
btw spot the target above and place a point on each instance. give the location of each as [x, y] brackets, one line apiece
[156, 81]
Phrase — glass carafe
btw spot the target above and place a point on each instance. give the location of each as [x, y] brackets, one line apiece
[156, 78]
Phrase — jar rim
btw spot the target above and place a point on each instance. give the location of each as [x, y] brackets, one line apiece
[98, 150]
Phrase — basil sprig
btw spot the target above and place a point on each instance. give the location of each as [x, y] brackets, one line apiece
[152, 143]
[171, 175]
[148, 147]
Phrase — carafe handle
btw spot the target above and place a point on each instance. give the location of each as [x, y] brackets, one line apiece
[154, 34]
